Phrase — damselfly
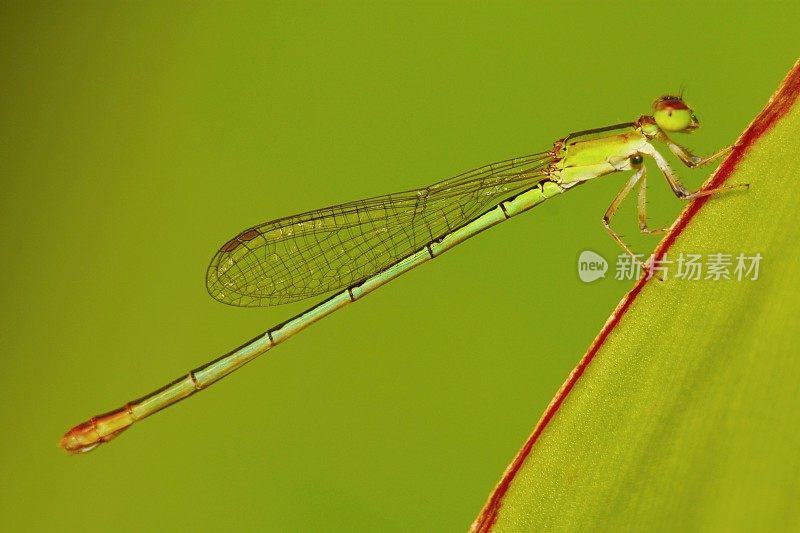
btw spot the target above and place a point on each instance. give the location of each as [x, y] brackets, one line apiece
[355, 248]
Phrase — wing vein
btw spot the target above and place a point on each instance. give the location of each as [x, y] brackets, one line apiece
[309, 254]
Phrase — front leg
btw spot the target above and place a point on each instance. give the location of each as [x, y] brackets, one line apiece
[689, 159]
[675, 184]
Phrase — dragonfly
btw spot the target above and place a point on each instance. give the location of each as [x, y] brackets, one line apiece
[355, 248]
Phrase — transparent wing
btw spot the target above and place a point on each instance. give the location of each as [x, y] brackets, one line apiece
[320, 251]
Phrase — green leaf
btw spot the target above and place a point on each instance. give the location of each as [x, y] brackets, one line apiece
[685, 412]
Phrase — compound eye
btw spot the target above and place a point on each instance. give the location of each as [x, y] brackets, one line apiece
[637, 160]
[672, 114]
[674, 119]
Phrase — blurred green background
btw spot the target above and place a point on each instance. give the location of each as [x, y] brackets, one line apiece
[136, 138]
